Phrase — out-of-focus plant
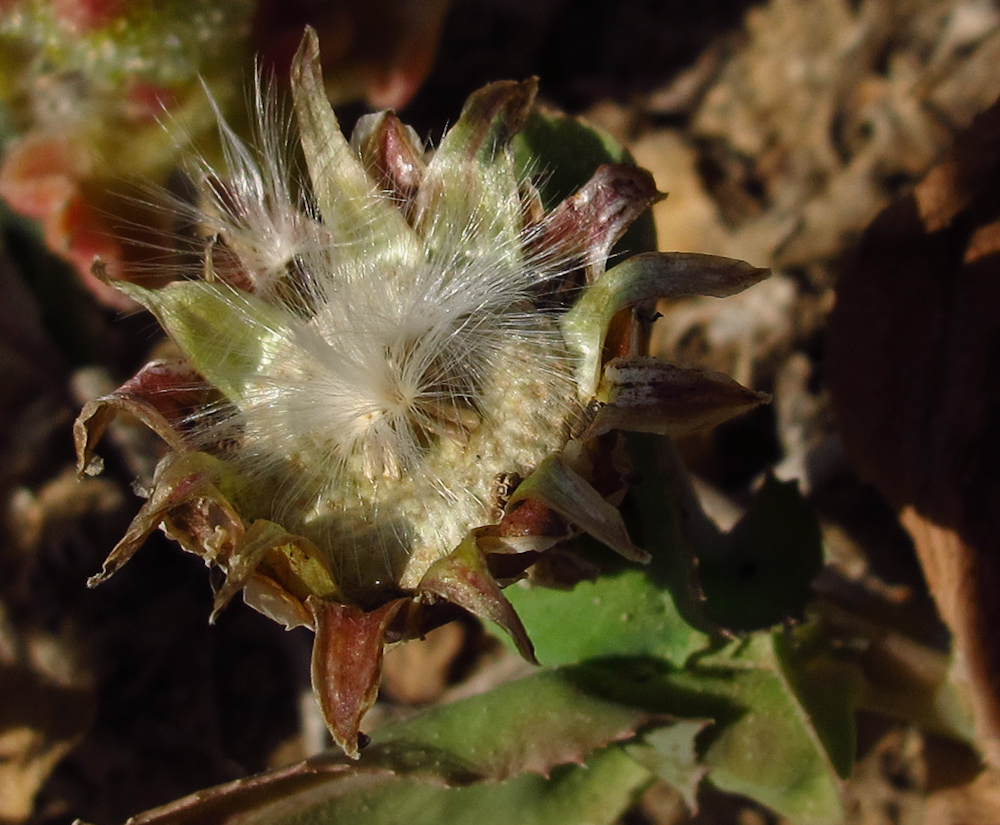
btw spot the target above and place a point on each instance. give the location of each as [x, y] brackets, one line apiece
[87, 84]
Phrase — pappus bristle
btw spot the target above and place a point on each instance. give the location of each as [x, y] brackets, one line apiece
[395, 388]
[252, 206]
[372, 410]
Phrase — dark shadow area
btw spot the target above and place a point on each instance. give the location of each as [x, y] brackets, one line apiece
[582, 50]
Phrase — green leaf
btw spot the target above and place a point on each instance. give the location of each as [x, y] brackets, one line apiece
[760, 573]
[628, 610]
[531, 725]
[598, 792]
[772, 752]
[825, 685]
[636, 633]
[621, 613]
[763, 745]
[882, 670]
[545, 724]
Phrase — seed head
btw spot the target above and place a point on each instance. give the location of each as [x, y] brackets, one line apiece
[374, 352]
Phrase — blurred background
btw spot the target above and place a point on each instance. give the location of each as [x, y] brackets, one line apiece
[781, 129]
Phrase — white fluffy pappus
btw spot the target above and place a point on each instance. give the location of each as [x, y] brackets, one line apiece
[396, 376]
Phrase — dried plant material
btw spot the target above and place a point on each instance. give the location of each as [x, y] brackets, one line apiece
[889, 782]
[47, 698]
[43, 712]
[975, 803]
[911, 367]
[737, 336]
[46, 702]
[812, 450]
[419, 671]
[831, 106]
[33, 408]
[688, 220]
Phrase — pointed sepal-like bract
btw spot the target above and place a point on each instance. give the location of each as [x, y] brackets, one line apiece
[585, 226]
[292, 562]
[556, 485]
[362, 222]
[469, 202]
[638, 280]
[179, 478]
[464, 579]
[159, 394]
[228, 335]
[647, 395]
[347, 664]
[391, 154]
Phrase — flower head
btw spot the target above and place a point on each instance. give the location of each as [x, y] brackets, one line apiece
[398, 374]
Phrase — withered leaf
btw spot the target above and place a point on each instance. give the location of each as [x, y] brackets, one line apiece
[912, 359]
